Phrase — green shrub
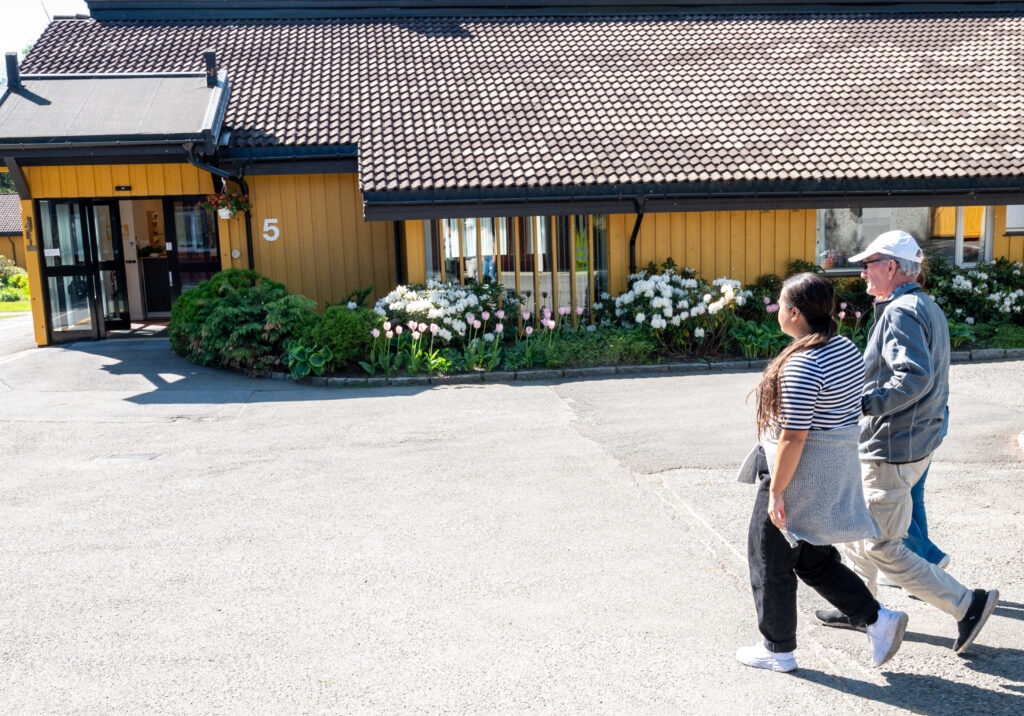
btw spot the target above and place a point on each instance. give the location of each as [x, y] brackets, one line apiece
[346, 332]
[10, 295]
[18, 280]
[8, 269]
[1008, 336]
[604, 346]
[756, 339]
[239, 320]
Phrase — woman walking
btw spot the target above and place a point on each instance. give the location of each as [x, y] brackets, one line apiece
[808, 404]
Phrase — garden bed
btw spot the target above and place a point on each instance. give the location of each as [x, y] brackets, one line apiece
[669, 320]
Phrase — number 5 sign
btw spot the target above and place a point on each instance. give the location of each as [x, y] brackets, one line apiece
[270, 230]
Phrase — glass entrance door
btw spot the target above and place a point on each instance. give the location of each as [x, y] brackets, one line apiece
[83, 270]
[193, 251]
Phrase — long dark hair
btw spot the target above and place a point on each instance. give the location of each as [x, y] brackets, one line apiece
[813, 296]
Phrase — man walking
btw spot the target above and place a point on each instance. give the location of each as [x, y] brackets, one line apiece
[905, 394]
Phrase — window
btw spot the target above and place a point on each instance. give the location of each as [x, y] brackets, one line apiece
[1015, 219]
[549, 261]
[957, 233]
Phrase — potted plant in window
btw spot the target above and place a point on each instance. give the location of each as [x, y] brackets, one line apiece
[828, 260]
[227, 204]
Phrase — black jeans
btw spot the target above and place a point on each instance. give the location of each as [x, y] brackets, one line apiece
[774, 567]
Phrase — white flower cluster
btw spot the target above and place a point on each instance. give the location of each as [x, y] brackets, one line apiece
[454, 308]
[670, 299]
[1008, 301]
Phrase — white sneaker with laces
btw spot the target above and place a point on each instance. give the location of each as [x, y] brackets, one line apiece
[886, 635]
[759, 657]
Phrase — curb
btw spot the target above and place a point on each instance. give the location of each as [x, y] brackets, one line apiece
[987, 355]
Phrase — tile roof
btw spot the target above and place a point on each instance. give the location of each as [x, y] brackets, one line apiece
[10, 214]
[499, 103]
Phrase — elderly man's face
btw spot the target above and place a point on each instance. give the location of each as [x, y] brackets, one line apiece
[880, 273]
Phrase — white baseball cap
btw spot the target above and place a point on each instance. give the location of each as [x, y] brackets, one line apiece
[899, 244]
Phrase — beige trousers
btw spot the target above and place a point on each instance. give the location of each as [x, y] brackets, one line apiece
[887, 491]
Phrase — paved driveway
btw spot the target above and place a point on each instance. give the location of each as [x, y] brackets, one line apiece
[182, 540]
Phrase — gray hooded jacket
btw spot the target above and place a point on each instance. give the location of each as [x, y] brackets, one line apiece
[907, 380]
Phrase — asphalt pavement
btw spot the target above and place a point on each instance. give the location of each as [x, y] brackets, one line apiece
[177, 539]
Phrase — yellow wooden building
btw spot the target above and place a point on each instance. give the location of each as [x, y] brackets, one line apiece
[554, 153]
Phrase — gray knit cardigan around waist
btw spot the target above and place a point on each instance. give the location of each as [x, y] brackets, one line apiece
[825, 499]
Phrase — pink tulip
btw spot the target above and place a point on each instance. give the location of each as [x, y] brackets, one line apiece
[500, 314]
[390, 334]
[485, 315]
[563, 310]
[415, 335]
[526, 315]
[499, 328]
[546, 312]
[477, 324]
[434, 328]
[529, 330]
[551, 324]
[842, 315]
[422, 328]
[842, 305]
[387, 325]
[375, 333]
[772, 307]
[412, 325]
[398, 330]
[579, 310]
[858, 314]
[470, 318]
[767, 300]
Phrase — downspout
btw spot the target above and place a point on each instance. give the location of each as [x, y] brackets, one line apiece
[243, 185]
[640, 203]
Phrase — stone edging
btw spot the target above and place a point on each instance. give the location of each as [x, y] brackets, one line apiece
[548, 374]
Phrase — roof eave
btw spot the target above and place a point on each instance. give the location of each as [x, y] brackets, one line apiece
[710, 196]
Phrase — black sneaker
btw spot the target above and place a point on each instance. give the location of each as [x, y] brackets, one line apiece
[970, 626]
[835, 618]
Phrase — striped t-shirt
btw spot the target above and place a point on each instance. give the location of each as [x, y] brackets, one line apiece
[821, 387]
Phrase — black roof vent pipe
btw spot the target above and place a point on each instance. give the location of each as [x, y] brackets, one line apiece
[13, 74]
[210, 57]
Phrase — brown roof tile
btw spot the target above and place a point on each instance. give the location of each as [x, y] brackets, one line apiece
[445, 103]
[10, 214]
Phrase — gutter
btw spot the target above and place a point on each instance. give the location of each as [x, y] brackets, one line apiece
[240, 180]
[641, 203]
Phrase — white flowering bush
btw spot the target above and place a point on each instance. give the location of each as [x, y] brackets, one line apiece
[990, 292]
[681, 310]
[460, 313]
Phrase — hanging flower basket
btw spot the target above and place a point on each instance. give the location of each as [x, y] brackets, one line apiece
[227, 204]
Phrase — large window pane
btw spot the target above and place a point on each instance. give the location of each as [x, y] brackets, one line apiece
[69, 303]
[194, 233]
[954, 233]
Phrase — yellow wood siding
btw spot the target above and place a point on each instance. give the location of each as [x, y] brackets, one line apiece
[739, 244]
[1003, 245]
[324, 249]
[99, 180]
[35, 276]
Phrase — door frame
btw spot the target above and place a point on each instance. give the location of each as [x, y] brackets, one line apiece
[89, 269]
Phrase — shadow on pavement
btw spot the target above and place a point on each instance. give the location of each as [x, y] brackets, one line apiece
[920, 693]
[177, 381]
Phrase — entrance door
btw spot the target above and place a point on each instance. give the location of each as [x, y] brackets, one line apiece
[82, 268]
[193, 251]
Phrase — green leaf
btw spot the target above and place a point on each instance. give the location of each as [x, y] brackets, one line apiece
[300, 370]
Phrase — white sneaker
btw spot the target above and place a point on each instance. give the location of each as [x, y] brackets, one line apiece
[759, 657]
[886, 635]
